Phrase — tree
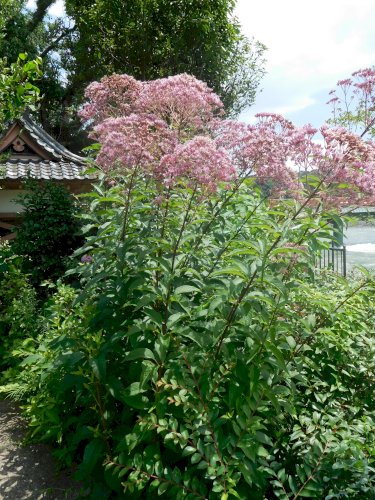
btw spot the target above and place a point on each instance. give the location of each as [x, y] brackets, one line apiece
[158, 38]
[38, 36]
[16, 88]
[146, 38]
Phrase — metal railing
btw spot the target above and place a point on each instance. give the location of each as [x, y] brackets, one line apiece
[333, 258]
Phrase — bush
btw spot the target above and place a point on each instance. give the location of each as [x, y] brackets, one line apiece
[207, 362]
[18, 308]
[49, 231]
[200, 357]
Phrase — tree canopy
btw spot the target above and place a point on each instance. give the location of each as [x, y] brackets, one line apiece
[147, 39]
[156, 38]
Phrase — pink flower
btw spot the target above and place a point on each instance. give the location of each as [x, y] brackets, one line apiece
[171, 130]
[113, 96]
[133, 141]
[85, 259]
[344, 83]
[183, 102]
[199, 162]
[354, 100]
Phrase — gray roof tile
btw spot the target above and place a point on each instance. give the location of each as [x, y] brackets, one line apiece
[48, 142]
[63, 164]
[63, 170]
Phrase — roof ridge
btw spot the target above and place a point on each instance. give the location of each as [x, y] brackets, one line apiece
[45, 140]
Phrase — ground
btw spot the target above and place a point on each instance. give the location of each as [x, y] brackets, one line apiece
[27, 471]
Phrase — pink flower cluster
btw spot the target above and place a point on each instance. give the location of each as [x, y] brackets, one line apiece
[275, 150]
[146, 125]
[349, 160]
[171, 129]
[134, 141]
[182, 101]
[353, 102]
[200, 161]
[113, 96]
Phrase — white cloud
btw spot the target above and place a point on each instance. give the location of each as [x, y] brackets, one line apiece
[31, 4]
[298, 105]
[310, 46]
[57, 9]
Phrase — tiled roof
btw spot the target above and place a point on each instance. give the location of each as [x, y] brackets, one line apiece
[45, 158]
[47, 142]
[63, 170]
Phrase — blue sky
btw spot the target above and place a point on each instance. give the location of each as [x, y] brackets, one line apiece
[311, 45]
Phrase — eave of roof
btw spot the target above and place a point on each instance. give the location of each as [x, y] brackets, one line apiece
[47, 142]
[47, 170]
[51, 161]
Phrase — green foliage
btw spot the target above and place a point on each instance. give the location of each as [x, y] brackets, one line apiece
[18, 308]
[16, 88]
[49, 230]
[40, 36]
[7, 9]
[158, 38]
[201, 358]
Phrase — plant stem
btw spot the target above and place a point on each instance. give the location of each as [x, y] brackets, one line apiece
[174, 255]
[127, 205]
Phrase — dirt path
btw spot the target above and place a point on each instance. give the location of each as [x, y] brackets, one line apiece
[27, 472]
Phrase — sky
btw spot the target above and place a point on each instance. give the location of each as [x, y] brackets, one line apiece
[311, 45]
[56, 10]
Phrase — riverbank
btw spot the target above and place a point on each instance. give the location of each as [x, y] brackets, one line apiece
[370, 222]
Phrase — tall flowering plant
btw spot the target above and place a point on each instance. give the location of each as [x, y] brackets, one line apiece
[199, 359]
[172, 130]
[353, 102]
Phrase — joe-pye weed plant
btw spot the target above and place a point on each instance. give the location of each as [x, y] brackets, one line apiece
[199, 358]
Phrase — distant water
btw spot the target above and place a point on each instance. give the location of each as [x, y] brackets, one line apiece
[359, 235]
[360, 246]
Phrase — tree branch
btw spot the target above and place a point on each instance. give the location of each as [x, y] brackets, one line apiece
[41, 9]
[56, 41]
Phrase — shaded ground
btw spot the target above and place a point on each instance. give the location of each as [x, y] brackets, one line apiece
[27, 472]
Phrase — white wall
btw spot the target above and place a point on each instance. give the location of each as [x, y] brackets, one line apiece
[7, 205]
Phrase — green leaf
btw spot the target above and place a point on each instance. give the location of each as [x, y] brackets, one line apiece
[134, 396]
[188, 450]
[291, 342]
[196, 458]
[92, 455]
[163, 487]
[311, 490]
[185, 289]
[99, 366]
[139, 353]
[161, 347]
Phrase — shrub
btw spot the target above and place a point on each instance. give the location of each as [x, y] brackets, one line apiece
[209, 367]
[49, 231]
[199, 357]
[18, 307]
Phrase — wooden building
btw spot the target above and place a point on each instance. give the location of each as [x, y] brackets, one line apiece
[28, 151]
